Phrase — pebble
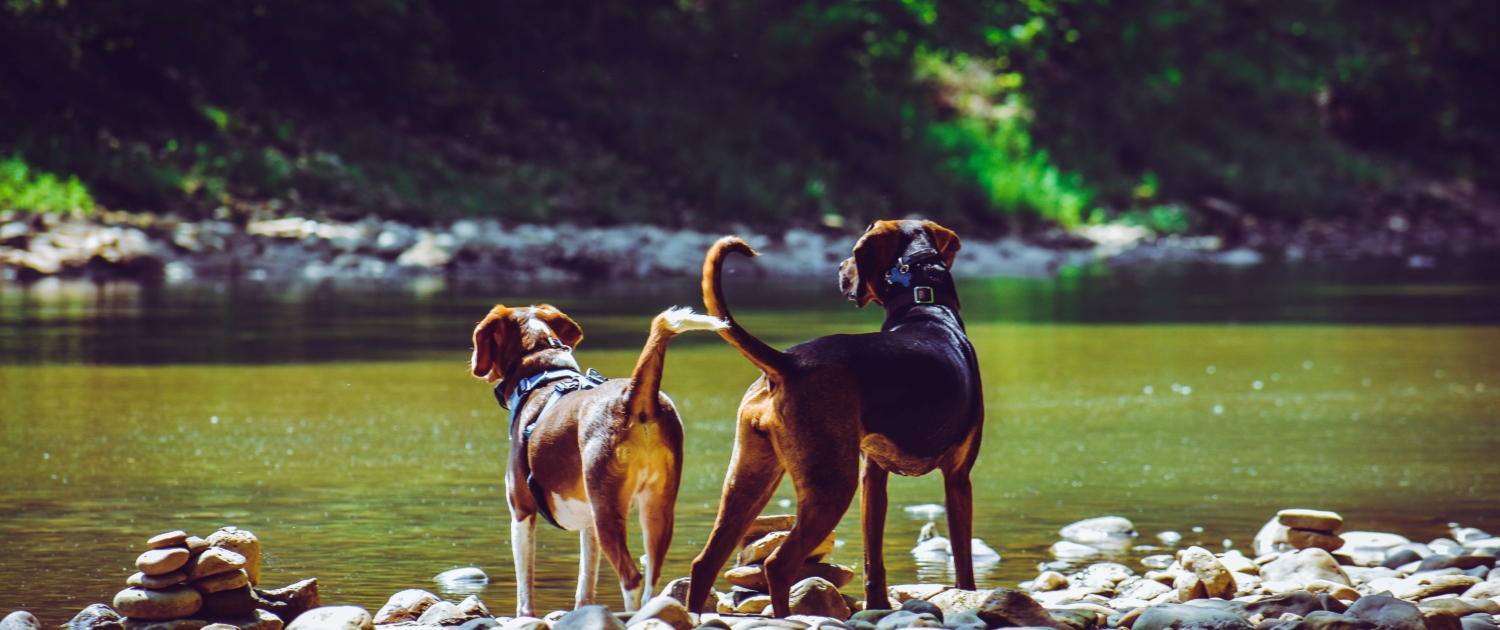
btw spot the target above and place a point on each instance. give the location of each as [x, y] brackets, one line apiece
[20, 620]
[1216, 580]
[156, 581]
[222, 581]
[333, 618]
[213, 561]
[243, 543]
[1174, 616]
[1072, 550]
[159, 561]
[1049, 581]
[1388, 613]
[169, 539]
[1304, 566]
[172, 602]
[1319, 520]
[1009, 607]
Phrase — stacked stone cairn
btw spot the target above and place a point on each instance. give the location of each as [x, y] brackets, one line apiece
[187, 582]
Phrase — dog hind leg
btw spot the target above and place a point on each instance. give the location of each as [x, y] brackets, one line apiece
[657, 519]
[588, 567]
[821, 502]
[523, 550]
[754, 473]
[609, 522]
[959, 501]
[872, 512]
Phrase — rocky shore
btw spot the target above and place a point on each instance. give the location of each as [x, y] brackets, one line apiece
[263, 245]
[1306, 573]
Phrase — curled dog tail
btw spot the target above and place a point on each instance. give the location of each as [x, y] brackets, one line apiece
[645, 381]
[770, 360]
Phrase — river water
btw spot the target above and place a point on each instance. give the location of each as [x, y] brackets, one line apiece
[339, 423]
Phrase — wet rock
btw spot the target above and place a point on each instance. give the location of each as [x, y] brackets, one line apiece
[1311, 519]
[463, 580]
[923, 607]
[164, 624]
[444, 614]
[1338, 591]
[407, 605]
[1438, 561]
[1158, 561]
[953, 601]
[1299, 603]
[525, 623]
[20, 620]
[1272, 538]
[1401, 558]
[289, 602]
[678, 589]
[95, 617]
[1387, 613]
[213, 561]
[1368, 548]
[1049, 581]
[752, 605]
[170, 539]
[1214, 579]
[1010, 607]
[902, 592]
[255, 620]
[1183, 617]
[1422, 586]
[242, 542]
[908, 619]
[482, 623]
[1313, 539]
[1304, 566]
[1483, 590]
[1107, 531]
[766, 524]
[172, 602]
[588, 618]
[817, 596]
[754, 577]
[333, 618]
[155, 581]
[1068, 549]
[1473, 622]
[196, 544]
[665, 608]
[222, 582]
[235, 601]
[1441, 620]
[761, 548]
[160, 561]
[1144, 589]
[473, 606]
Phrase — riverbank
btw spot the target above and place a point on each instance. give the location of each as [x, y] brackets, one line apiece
[261, 245]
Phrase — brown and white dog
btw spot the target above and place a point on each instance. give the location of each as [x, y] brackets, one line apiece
[582, 459]
[844, 411]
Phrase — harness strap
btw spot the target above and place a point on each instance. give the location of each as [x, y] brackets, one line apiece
[572, 381]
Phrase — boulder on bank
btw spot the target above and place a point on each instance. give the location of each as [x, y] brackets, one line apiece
[1301, 567]
[333, 618]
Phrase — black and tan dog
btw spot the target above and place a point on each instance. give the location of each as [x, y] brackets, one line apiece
[842, 411]
[584, 449]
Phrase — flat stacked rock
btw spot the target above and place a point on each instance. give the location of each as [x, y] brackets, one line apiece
[185, 581]
[1312, 529]
[749, 577]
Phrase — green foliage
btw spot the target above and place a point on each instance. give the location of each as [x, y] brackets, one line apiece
[21, 187]
[973, 113]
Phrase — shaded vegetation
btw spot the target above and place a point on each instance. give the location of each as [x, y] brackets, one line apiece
[977, 113]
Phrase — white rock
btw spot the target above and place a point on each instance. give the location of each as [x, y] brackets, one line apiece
[1106, 531]
[1071, 550]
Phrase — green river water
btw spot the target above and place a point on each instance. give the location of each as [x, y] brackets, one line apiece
[339, 423]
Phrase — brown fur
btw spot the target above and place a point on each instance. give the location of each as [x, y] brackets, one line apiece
[605, 448]
[841, 412]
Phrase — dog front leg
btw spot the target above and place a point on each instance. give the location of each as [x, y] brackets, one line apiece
[523, 550]
[872, 510]
[588, 567]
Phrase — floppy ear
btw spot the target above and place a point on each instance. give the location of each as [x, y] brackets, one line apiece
[566, 329]
[485, 363]
[946, 242]
[874, 254]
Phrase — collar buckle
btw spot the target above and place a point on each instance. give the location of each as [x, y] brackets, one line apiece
[923, 295]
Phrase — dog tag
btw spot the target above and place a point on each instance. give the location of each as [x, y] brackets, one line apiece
[900, 274]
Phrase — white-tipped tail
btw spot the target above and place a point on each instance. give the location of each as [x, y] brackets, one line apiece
[684, 319]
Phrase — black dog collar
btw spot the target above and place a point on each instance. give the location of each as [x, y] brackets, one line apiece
[901, 273]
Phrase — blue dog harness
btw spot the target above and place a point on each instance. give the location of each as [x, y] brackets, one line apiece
[571, 381]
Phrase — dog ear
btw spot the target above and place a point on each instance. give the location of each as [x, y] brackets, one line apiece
[945, 241]
[874, 254]
[496, 326]
[566, 329]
